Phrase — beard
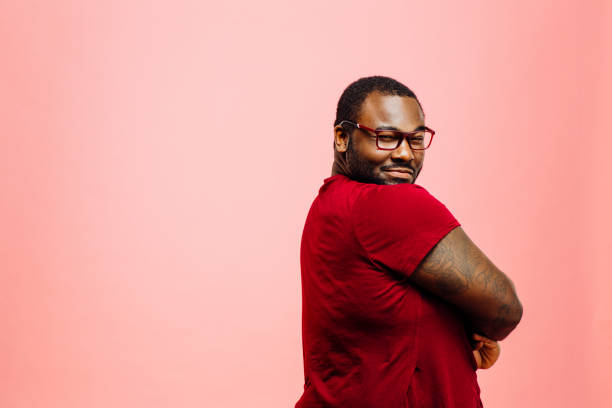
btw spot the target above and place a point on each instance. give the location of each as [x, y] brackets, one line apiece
[365, 172]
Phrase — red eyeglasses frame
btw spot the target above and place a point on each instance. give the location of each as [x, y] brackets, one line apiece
[403, 134]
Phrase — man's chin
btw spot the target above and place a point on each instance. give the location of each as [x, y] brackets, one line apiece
[383, 178]
[400, 182]
[394, 182]
[383, 181]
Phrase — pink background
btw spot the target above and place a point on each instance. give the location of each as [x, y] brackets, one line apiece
[158, 159]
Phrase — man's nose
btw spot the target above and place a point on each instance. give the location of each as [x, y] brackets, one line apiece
[403, 151]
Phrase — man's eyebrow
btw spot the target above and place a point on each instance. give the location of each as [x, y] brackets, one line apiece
[422, 127]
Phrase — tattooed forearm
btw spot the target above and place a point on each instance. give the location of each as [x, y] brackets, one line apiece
[460, 273]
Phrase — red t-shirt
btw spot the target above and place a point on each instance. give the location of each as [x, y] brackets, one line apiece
[370, 338]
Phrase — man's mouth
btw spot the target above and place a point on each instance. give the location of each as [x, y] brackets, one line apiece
[400, 172]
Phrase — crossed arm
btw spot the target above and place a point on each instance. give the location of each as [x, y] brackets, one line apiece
[457, 271]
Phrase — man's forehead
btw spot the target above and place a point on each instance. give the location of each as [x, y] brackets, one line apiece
[390, 110]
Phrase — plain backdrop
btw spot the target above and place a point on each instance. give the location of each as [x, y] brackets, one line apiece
[158, 160]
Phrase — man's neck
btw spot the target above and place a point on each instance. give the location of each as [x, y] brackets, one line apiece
[337, 169]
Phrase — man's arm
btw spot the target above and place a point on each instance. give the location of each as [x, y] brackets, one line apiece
[457, 271]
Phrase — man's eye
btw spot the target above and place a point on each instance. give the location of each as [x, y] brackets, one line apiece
[387, 137]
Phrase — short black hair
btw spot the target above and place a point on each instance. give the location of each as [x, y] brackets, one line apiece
[353, 96]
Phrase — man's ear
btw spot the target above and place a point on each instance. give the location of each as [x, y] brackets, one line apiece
[341, 139]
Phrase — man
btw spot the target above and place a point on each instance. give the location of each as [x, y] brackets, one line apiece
[399, 306]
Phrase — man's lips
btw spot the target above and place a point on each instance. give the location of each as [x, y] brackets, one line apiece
[400, 169]
[400, 172]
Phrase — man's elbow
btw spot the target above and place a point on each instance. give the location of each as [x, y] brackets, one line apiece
[508, 317]
[517, 313]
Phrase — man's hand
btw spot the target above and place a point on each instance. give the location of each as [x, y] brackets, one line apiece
[486, 351]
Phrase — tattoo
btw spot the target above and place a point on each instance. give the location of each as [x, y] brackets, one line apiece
[450, 279]
[500, 287]
[506, 313]
[458, 271]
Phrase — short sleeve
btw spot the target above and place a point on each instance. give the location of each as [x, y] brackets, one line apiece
[397, 225]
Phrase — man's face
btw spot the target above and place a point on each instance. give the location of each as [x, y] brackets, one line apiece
[367, 163]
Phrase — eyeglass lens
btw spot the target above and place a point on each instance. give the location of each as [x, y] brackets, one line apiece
[391, 139]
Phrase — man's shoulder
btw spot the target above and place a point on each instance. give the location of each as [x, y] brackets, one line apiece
[364, 198]
[390, 205]
[344, 182]
[405, 193]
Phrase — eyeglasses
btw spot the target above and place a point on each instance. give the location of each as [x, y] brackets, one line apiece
[392, 139]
